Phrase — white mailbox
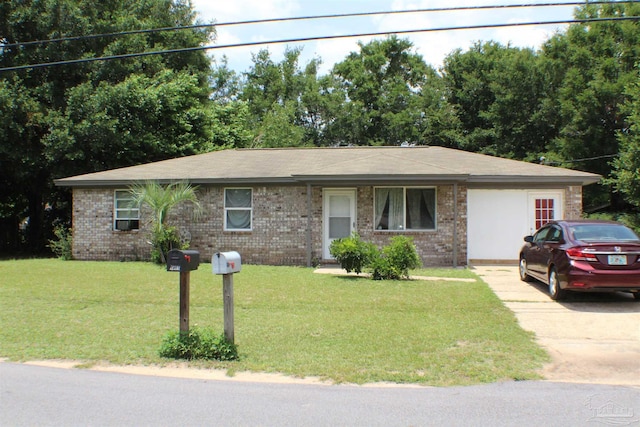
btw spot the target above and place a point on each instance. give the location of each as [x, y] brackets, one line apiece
[226, 262]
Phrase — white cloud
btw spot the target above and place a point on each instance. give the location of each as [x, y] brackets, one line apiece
[432, 45]
[244, 10]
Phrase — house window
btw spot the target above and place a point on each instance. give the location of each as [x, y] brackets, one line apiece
[400, 208]
[237, 208]
[126, 214]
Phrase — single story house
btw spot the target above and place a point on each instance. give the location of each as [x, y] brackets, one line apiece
[285, 206]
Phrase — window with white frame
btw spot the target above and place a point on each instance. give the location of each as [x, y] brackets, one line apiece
[238, 208]
[405, 208]
[126, 215]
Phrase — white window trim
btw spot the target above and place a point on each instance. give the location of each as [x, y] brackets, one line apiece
[250, 209]
[116, 210]
[404, 212]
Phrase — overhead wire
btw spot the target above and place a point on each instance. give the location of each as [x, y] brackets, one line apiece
[300, 18]
[314, 38]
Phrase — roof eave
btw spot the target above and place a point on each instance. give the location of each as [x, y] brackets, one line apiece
[345, 180]
[538, 179]
[368, 179]
[195, 181]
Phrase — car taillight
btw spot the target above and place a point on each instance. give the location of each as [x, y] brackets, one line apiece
[581, 254]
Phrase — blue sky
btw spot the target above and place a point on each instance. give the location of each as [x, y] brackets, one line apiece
[433, 46]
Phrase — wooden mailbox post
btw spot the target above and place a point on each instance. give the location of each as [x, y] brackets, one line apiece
[227, 263]
[183, 262]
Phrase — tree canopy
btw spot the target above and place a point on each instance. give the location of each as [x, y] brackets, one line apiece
[572, 103]
[592, 65]
[68, 119]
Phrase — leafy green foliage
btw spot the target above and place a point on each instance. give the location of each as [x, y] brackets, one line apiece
[352, 252]
[393, 97]
[565, 103]
[627, 164]
[79, 118]
[139, 119]
[162, 241]
[198, 343]
[62, 245]
[498, 92]
[161, 199]
[278, 129]
[593, 64]
[396, 259]
[392, 263]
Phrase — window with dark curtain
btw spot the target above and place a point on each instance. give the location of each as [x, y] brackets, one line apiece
[405, 208]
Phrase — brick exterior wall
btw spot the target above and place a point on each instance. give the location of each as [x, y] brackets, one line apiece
[573, 202]
[280, 226]
[93, 235]
[434, 247]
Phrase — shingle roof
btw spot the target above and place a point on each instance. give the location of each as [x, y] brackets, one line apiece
[336, 165]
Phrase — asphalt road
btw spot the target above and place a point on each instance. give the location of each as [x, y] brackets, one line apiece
[45, 396]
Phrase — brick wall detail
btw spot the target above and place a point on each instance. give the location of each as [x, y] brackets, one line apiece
[573, 202]
[280, 222]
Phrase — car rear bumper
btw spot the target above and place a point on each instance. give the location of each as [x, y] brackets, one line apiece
[586, 278]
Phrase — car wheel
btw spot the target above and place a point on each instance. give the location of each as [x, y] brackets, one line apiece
[523, 270]
[555, 292]
[636, 295]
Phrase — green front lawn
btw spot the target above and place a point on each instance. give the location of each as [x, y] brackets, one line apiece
[287, 320]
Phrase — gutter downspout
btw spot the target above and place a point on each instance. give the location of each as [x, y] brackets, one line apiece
[308, 225]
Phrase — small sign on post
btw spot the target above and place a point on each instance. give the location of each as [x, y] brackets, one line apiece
[183, 262]
[227, 263]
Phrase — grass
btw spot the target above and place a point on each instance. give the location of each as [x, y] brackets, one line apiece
[287, 320]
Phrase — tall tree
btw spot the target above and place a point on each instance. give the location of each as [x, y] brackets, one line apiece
[391, 96]
[498, 92]
[626, 167]
[275, 93]
[96, 115]
[596, 62]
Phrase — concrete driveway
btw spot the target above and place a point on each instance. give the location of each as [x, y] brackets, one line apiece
[592, 338]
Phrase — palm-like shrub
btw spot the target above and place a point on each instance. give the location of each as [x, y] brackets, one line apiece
[161, 199]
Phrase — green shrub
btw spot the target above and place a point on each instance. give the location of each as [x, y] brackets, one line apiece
[163, 241]
[352, 253]
[395, 260]
[197, 344]
[381, 269]
[63, 244]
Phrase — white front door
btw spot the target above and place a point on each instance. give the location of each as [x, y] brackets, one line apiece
[339, 213]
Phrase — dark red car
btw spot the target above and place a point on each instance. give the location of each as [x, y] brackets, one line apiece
[583, 255]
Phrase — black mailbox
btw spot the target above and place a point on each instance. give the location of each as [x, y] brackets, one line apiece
[178, 260]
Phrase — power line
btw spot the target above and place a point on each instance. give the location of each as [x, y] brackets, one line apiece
[299, 18]
[544, 161]
[307, 39]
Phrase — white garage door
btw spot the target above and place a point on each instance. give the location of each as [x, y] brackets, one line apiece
[499, 219]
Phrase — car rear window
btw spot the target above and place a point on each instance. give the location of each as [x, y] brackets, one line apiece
[602, 232]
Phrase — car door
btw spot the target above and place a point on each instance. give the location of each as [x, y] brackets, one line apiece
[549, 248]
[535, 255]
